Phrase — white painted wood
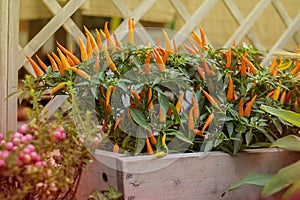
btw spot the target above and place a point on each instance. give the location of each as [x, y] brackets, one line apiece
[54, 104]
[187, 28]
[248, 22]
[48, 30]
[285, 17]
[184, 176]
[288, 33]
[183, 12]
[231, 6]
[69, 25]
[3, 63]
[137, 13]
[12, 73]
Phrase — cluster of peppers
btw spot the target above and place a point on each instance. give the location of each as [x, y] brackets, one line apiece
[246, 85]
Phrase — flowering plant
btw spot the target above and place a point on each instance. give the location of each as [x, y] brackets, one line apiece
[42, 159]
[154, 98]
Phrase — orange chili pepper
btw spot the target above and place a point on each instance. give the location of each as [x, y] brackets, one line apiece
[80, 72]
[57, 60]
[196, 107]
[108, 94]
[228, 63]
[116, 148]
[296, 68]
[241, 108]
[136, 96]
[69, 53]
[204, 45]
[118, 43]
[151, 137]
[89, 49]
[179, 102]
[109, 41]
[243, 66]
[249, 106]
[97, 64]
[190, 50]
[35, 67]
[159, 61]
[251, 66]
[83, 52]
[207, 122]
[130, 37]
[158, 41]
[99, 40]
[42, 64]
[168, 43]
[117, 122]
[191, 123]
[175, 46]
[92, 40]
[273, 65]
[282, 97]
[104, 126]
[230, 89]
[288, 97]
[147, 63]
[198, 132]
[70, 61]
[200, 72]
[109, 61]
[209, 98]
[64, 61]
[149, 147]
[53, 63]
[296, 105]
[276, 93]
[270, 94]
[197, 38]
[58, 87]
[162, 117]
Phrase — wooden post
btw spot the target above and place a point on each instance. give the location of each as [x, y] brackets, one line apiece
[12, 72]
[3, 63]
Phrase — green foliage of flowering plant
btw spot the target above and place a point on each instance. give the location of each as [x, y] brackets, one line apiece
[43, 159]
[150, 98]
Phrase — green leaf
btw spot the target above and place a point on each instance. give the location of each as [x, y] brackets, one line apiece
[260, 145]
[139, 117]
[140, 140]
[289, 142]
[163, 101]
[114, 194]
[282, 179]
[287, 115]
[125, 141]
[180, 136]
[253, 179]
[230, 128]
[248, 137]
[176, 114]
[292, 191]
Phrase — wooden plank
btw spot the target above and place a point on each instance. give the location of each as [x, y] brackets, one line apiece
[183, 12]
[287, 34]
[187, 28]
[138, 12]
[69, 25]
[231, 6]
[12, 73]
[248, 22]
[3, 63]
[183, 176]
[48, 30]
[285, 17]
[181, 9]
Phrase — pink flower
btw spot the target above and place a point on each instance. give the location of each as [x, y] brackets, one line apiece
[23, 128]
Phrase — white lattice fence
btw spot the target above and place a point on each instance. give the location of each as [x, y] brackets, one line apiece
[190, 14]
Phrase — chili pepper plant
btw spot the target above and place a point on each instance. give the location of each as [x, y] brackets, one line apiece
[162, 97]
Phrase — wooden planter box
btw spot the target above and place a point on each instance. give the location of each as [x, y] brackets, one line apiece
[181, 176]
